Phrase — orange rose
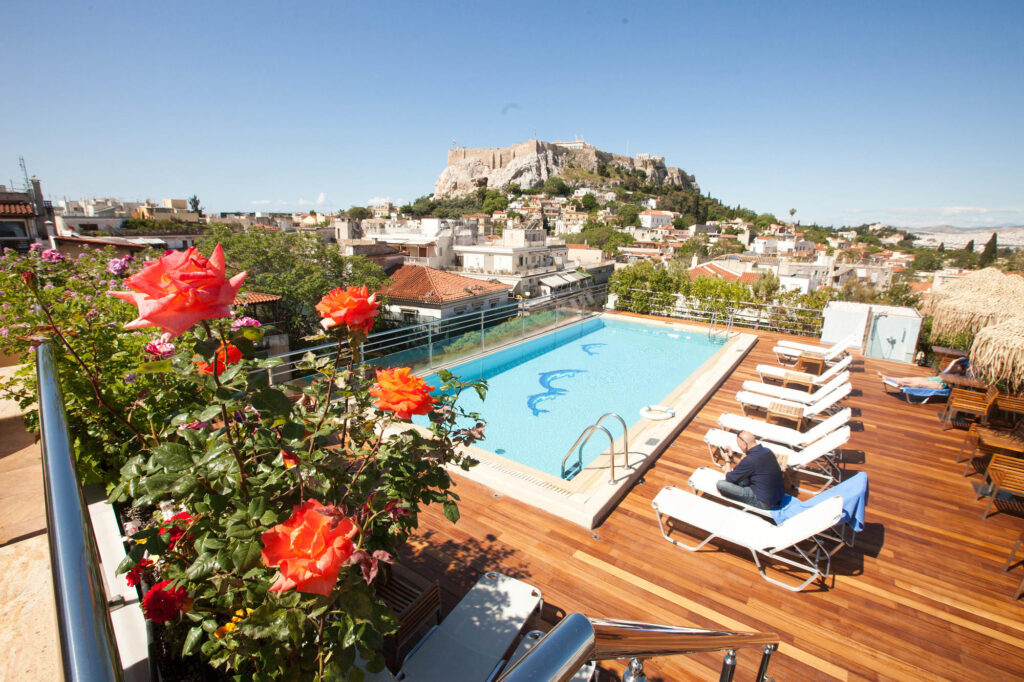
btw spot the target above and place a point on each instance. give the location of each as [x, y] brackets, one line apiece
[352, 306]
[309, 548]
[402, 393]
[226, 355]
[179, 289]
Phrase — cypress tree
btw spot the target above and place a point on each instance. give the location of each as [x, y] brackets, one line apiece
[942, 247]
[988, 255]
[970, 247]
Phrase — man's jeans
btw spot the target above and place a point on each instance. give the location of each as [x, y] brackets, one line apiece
[739, 493]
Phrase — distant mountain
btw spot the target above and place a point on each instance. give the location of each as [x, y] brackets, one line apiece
[952, 229]
[949, 235]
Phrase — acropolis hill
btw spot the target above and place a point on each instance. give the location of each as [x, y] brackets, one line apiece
[530, 163]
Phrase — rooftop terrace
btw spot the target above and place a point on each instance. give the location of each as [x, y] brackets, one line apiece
[920, 596]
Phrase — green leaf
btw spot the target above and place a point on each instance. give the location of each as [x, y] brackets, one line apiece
[194, 636]
[201, 568]
[451, 511]
[293, 431]
[172, 456]
[154, 367]
[273, 401]
[209, 413]
[252, 333]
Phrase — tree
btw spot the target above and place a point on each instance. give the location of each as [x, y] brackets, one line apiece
[296, 266]
[589, 202]
[988, 254]
[359, 213]
[792, 212]
[628, 214]
[193, 205]
[970, 247]
[555, 186]
[942, 247]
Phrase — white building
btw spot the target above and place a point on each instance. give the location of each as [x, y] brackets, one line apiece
[652, 218]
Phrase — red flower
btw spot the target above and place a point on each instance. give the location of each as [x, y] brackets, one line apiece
[402, 393]
[133, 576]
[227, 354]
[180, 289]
[290, 459]
[163, 603]
[352, 306]
[309, 548]
[175, 530]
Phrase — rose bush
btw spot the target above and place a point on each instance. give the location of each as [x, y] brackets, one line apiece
[293, 500]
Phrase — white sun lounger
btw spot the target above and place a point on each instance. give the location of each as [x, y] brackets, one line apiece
[787, 375]
[470, 644]
[820, 458]
[782, 435]
[824, 405]
[794, 395]
[789, 352]
[760, 536]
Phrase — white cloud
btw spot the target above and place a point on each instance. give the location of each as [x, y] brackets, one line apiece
[377, 201]
[321, 199]
[261, 202]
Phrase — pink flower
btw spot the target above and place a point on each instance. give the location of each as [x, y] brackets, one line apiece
[245, 322]
[53, 256]
[161, 349]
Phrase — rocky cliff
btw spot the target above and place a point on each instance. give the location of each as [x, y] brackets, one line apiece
[530, 163]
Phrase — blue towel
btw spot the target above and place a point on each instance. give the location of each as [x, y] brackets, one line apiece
[925, 392]
[854, 492]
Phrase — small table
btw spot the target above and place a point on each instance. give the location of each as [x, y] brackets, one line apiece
[414, 600]
[813, 363]
[785, 412]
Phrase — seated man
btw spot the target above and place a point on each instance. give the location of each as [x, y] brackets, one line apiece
[757, 479]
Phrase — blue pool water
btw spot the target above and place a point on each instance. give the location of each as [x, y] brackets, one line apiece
[543, 393]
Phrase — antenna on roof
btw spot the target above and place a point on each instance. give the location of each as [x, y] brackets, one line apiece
[24, 171]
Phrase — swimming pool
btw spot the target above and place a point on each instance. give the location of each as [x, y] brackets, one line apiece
[543, 393]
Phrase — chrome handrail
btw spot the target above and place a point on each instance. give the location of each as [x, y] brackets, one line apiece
[577, 639]
[625, 442]
[584, 437]
[88, 648]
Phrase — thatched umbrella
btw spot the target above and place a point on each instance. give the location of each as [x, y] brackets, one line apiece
[997, 354]
[982, 302]
[978, 284]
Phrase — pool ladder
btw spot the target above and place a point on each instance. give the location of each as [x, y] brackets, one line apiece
[577, 447]
[728, 328]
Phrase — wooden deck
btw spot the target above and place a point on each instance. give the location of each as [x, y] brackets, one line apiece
[921, 596]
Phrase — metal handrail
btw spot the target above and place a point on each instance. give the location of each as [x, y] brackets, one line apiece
[578, 639]
[625, 442]
[584, 437]
[88, 648]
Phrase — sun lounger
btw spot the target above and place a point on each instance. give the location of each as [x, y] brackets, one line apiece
[794, 395]
[789, 353]
[470, 644]
[853, 490]
[820, 459]
[823, 406]
[782, 435]
[530, 639]
[758, 535]
[787, 376]
[923, 395]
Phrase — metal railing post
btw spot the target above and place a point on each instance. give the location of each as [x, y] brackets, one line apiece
[728, 666]
[483, 342]
[430, 344]
[88, 648]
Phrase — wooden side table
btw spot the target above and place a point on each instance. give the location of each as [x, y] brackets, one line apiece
[813, 363]
[416, 601]
[786, 412]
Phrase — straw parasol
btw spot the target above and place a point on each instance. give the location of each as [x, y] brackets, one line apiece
[997, 354]
[978, 283]
[979, 303]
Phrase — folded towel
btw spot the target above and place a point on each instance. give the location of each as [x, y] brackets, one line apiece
[854, 492]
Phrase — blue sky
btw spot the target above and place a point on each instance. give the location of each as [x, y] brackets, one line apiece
[904, 112]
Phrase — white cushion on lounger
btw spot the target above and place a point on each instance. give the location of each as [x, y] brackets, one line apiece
[793, 394]
[780, 373]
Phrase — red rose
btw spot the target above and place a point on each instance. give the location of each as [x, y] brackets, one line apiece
[134, 576]
[226, 355]
[352, 306]
[309, 548]
[163, 602]
[180, 289]
[402, 393]
[175, 530]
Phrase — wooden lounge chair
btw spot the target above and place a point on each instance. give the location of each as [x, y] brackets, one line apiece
[1004, 473]
[970, 403]
[762, 538]
[814, 358]
[803, 380]
[792, 394]
[1009, 563]
[470, 643]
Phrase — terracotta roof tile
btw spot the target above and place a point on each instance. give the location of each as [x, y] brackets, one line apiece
[429, 285]
[16, 208]
[248, 297]
[712, 270]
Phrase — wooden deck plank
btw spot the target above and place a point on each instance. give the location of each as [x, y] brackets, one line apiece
[921, 595]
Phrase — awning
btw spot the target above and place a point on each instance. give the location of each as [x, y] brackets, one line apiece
[554, 281]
